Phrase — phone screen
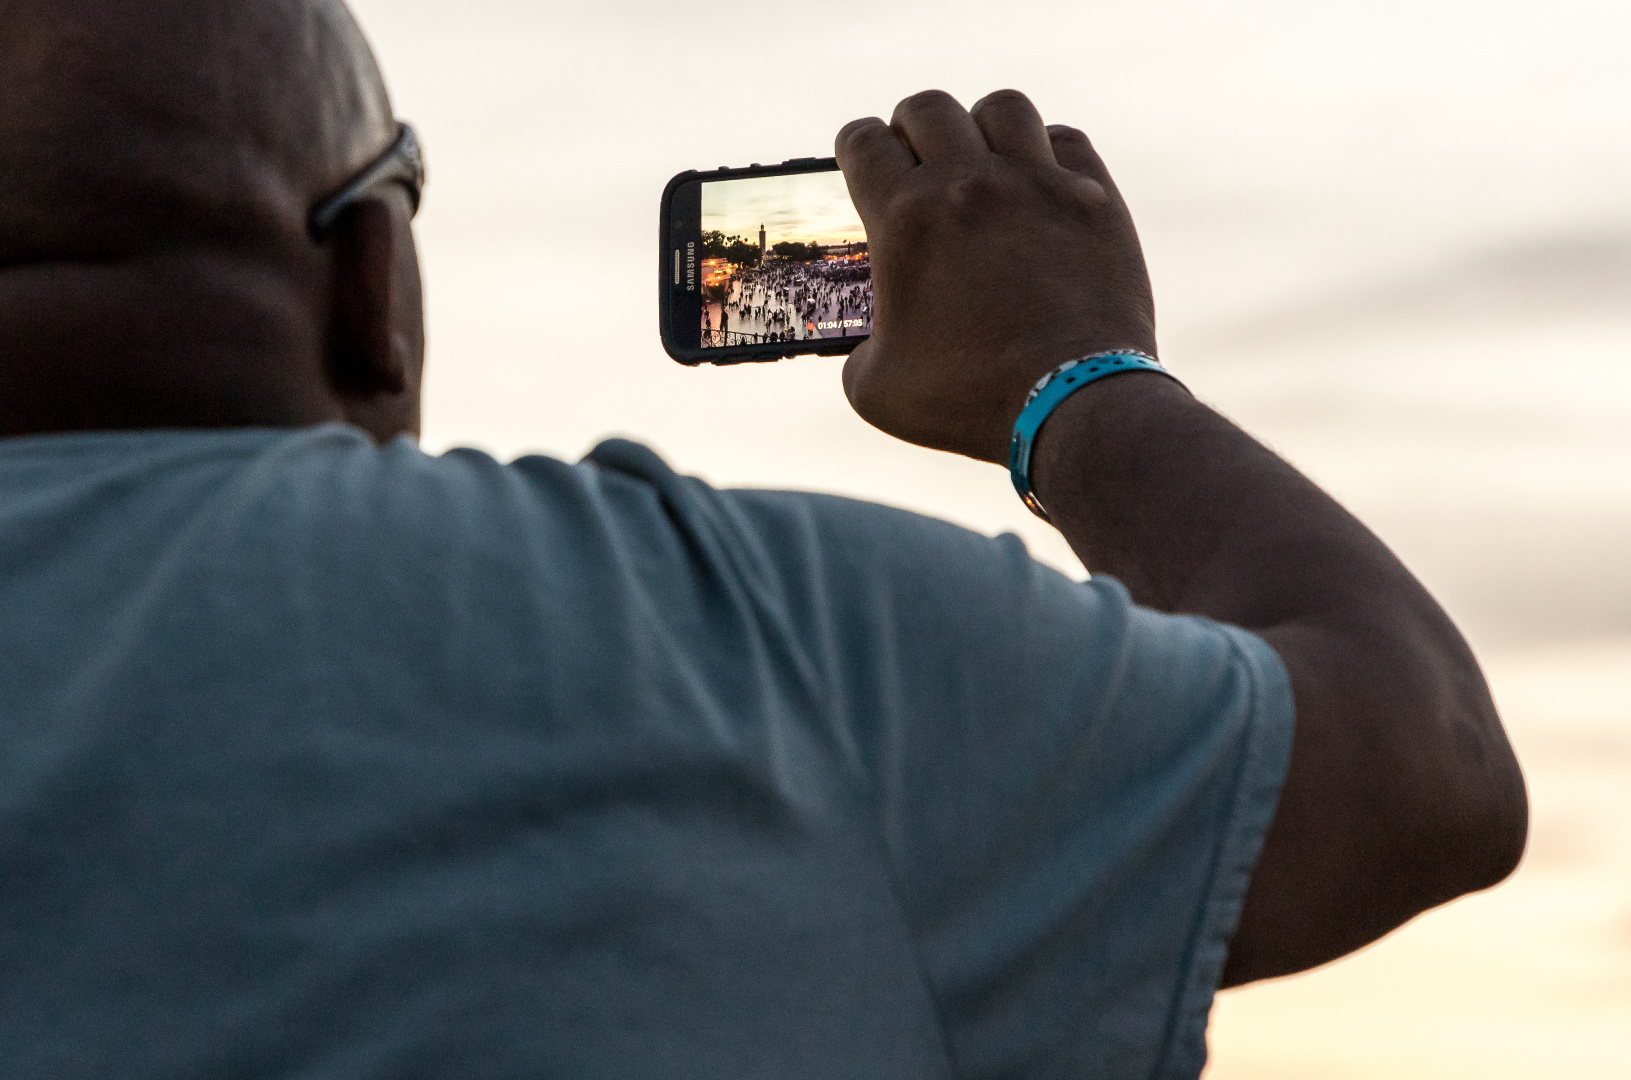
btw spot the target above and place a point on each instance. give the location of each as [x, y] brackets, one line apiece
[783, 259]
[777, 260]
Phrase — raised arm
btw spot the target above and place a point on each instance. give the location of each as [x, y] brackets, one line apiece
[1001, 249]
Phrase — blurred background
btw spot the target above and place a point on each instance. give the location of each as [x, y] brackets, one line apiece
[1391, 238]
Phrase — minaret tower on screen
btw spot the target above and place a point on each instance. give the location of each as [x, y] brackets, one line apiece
[764, 252]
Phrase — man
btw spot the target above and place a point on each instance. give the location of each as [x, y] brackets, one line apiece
[326, 758]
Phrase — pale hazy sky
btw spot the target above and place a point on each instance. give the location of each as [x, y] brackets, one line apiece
[1390, 237]
[1302, 174]
[811, 208]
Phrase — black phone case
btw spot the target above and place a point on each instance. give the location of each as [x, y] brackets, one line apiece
[668, 289]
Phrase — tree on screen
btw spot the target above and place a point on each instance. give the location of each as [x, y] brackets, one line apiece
[795, 251]
[716, 245]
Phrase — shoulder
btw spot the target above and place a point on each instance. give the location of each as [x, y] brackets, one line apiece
[853, 552]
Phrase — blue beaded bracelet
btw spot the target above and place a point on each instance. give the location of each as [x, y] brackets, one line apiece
[1046, 395]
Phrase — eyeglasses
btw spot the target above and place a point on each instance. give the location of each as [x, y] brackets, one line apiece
[403, 163]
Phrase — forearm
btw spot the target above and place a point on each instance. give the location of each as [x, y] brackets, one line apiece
[1403, 792]
[1193, 515]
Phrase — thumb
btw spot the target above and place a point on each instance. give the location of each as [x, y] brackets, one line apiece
[856, 368]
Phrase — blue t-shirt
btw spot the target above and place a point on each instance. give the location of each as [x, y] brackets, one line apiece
[323, 760]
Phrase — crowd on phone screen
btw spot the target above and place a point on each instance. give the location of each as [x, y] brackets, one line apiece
[792, 301]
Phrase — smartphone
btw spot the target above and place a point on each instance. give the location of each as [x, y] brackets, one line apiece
[762, 263]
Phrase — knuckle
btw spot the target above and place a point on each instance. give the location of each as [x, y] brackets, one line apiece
[977, 195]
[924, 101]
[918, 209]
[915, 208]
[1005, 98]
[855, 137]
[855, 129]
[869, 135]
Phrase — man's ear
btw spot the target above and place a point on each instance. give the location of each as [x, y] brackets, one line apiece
[366, 358]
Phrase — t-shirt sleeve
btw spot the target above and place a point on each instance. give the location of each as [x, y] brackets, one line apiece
[1071, 790]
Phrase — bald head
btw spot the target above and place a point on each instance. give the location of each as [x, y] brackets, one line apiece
[165, 154]
[172, 119]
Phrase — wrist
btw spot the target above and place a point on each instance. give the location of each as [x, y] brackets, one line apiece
[1051, 392]
[1024, 362]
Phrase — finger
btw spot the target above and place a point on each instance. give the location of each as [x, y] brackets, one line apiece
[857, 369]
[1073, 151]
[1012, 126]
[935, 126]
[873, 160]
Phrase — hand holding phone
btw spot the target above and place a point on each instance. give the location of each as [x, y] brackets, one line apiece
[980, 250]
[1000, 249]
